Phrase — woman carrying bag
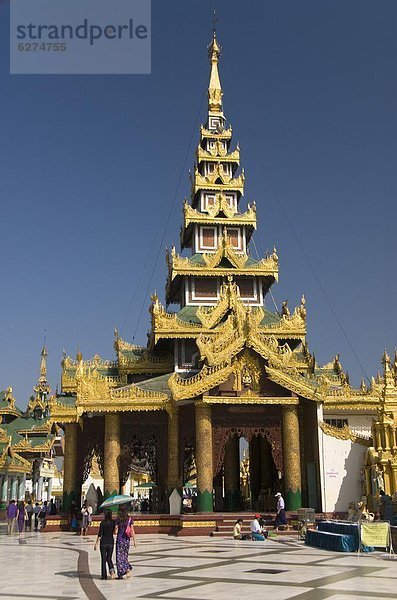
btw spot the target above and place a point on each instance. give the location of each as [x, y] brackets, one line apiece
[125, 531]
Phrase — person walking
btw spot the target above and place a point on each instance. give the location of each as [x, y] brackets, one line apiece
[106, 544]
[124, 531]
[12, 512]
[29, 512]
[43, 514]
[36, 512]
[22, 517]
[280, 516]
[86, 518]
[385, 506]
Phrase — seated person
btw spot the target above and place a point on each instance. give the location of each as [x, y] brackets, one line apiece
[237, 535]
[256, 529]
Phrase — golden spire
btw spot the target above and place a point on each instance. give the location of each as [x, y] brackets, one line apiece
[43, 365]
[214, 87]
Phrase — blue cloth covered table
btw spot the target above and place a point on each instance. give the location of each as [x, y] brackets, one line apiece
[340, 536]
[343, 528]
[326, 540]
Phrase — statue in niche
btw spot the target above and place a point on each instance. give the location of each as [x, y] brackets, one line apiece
[246, 378]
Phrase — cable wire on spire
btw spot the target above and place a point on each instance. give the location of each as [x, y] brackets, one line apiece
[160, 247]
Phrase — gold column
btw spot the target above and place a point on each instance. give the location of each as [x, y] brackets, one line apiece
[232, 474]
[174, 474]
[112, 451]
[70, 491]
[393, 489]
[204, 465]
[291, 452]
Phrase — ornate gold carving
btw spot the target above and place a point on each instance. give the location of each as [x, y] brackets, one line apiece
[344, 433]
[190, 387]
[191, 215]
[197, 524]
[218, 151]
[218, 180]
[178, 265]
[251, 398]
[291, 449]
[247, 373]
[224, 134]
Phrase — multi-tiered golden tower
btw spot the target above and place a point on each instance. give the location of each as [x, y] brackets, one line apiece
[219, 368]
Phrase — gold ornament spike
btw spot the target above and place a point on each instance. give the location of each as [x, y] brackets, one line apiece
[214, 87]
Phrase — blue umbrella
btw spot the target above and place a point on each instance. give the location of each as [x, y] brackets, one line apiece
[116, 500]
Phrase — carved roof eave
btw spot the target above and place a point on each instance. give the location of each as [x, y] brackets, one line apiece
[17, 464]
[234, 185]
[206, 379]
[226, 134]
[26, 446]
[248, 219]
[63, 413]
[346, 404]
[251, 398]
[294, 383]
[233, 156]
[206, 271]
[145, 364]
[344, 433]
[10, 411]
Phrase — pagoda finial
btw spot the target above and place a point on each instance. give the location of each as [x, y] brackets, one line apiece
[43, 363]
[215, 113]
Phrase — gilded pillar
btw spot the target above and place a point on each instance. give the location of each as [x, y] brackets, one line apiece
[70, 491]
[204, 465]
[393, 489]
[112, 452]
[291, 452]
[232, 474]
[174, 471]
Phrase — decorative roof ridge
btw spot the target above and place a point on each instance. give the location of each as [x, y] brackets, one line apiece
[345, 433]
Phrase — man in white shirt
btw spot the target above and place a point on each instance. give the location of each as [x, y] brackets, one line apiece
[256, 530]
[280, 516]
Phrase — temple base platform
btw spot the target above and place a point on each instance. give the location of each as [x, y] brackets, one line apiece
[214, 524]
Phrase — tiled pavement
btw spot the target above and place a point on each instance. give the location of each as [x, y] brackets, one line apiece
[65, 566]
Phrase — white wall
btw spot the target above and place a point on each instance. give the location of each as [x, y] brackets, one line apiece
[343, 461]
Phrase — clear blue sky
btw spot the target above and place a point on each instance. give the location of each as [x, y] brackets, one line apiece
[90, 167]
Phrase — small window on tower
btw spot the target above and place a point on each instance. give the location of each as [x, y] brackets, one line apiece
[235, 237]
[247, 288]
[207, 200]
[231, 200]
[207, 238]
[205, 287]
[210, 167]
[226, 168]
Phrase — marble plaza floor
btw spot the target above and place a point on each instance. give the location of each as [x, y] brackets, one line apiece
[65, 566]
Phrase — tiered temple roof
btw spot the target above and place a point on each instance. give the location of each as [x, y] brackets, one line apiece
[25, 435]
[221, 318]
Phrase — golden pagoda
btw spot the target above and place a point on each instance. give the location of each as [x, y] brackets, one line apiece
[220, 368]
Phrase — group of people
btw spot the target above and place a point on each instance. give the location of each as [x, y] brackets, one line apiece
[258, 531]
[22, 515]
[123, 530]
[80, 519]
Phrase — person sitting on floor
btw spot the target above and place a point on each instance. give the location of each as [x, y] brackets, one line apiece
[256, 530]
[237, 535]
